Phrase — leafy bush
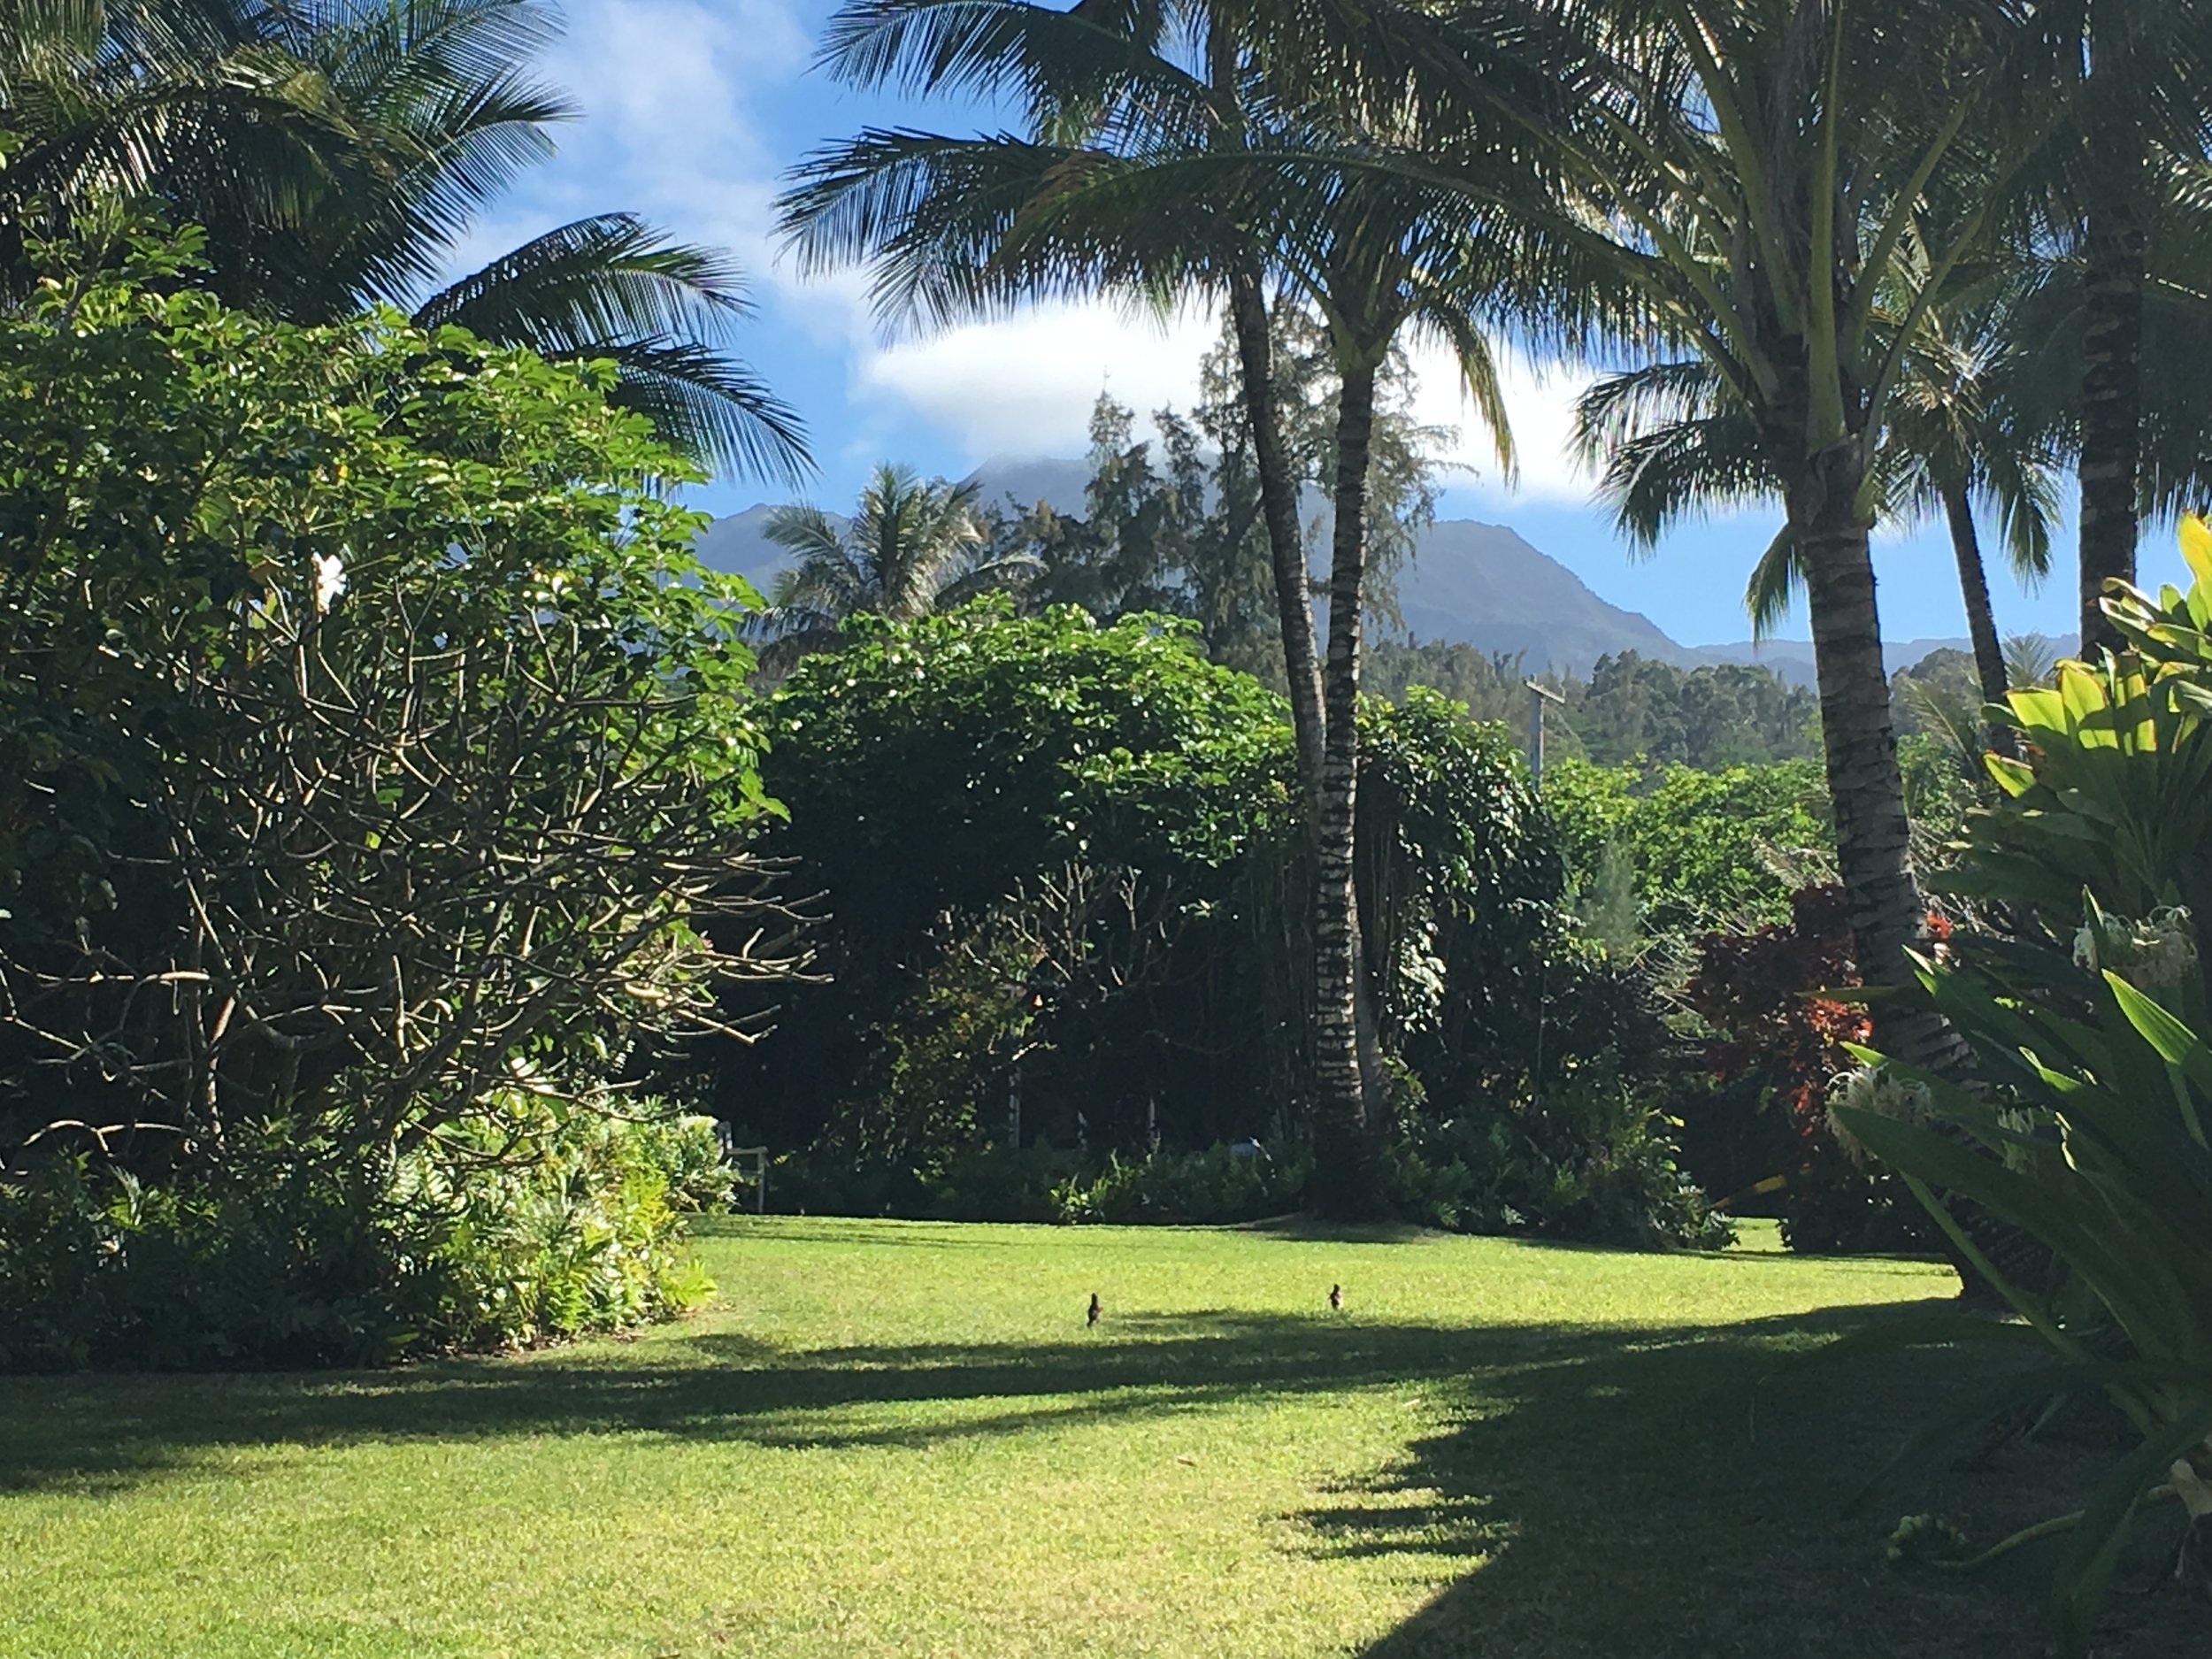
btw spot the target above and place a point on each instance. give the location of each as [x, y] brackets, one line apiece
[1761, 995]
[436, 589]
[2091, 1125]
[1588, 1161]
[1060, 858]
[536, 1226]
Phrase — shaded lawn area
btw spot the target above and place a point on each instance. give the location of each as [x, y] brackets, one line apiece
[898, 1439]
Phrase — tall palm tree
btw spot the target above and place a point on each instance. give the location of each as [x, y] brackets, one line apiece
[942, 218]
[2131, 78]
[911, 548]
[336, 151]
[1957, 437]
[1147, 173]
[1758, 170]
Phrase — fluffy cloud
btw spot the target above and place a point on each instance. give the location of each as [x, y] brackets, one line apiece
[1026, 383]
[1539, 404]
[664, 124]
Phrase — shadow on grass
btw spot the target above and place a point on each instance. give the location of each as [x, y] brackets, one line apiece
[90, 1433]
[1591, 1490]
[1689, 1498]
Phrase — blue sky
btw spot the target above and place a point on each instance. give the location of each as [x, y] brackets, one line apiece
[692, 109]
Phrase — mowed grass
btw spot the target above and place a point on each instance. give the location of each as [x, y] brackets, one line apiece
[900, 1439]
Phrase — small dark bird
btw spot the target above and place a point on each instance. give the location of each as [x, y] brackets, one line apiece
[1336, 1297]
[1097, 1309]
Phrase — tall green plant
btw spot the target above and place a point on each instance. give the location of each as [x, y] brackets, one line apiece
[2088, 1128]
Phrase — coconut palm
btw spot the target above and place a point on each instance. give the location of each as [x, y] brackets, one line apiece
[942, 218]
[336, 153]
[2129, 78]
[1760, 170]
[1170, 156]
[911, 548]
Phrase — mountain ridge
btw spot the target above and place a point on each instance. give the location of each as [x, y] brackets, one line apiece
[1470, 582]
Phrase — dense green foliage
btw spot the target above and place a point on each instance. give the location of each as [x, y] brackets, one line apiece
[1706, 849]
[384, 750]
[524, 1225]
[1056, 861]
[2090, 1129]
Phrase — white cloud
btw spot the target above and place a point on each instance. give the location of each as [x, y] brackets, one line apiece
[661, 127]
[1025, 383]
[1539, 404]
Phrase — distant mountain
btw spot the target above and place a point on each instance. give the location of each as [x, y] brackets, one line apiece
[1477, 583]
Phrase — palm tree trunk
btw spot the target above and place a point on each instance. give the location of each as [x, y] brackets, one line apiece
[1887, 911]
[1981, 619]
[2111, 408]
[1279, 504]
[1345, 1170]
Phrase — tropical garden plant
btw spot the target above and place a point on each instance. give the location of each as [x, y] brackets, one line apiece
[1170, 156]
[382, 750]
[338, 154]
[2088, 1128]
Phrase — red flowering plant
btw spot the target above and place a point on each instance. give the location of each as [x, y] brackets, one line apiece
[1761, 993]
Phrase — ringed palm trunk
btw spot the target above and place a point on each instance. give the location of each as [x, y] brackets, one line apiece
[1981, 618]
[1278, 506]
[1344, 1175]
[2111, 410]
[1887, 913]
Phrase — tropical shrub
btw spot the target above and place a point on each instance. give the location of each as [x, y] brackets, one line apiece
[2088, 1129]
[1222, 1184]
[1590, 1161]
[542, 1225]
[1060, 867]
[380, 746]
[1770, 1000]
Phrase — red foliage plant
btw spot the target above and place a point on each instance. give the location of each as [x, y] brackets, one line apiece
[1760, 992]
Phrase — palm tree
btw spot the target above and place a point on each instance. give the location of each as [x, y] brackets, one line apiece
[911, 548]
[1759, 170]
[336, 152]
[2131, 77]
[942, 218]
[1147, 175]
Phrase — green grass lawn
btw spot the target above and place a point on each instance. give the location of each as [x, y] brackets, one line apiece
[899, 1439]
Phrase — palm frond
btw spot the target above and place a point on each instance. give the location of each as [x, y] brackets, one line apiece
[1777, 579]
[612, 287]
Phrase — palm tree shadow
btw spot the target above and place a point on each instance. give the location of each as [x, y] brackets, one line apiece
[1690, 1498]
[118, 1430]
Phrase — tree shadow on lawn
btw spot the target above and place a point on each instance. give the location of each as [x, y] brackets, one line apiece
[1688, 1498]
[113, 1431]
[1614, 1490]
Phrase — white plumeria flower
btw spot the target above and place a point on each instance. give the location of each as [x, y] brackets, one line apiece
[330, 581]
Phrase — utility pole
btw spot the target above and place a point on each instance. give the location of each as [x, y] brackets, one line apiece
[1539, 696]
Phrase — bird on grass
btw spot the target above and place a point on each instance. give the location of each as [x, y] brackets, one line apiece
[1097, 1309]
[1336, 1297]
